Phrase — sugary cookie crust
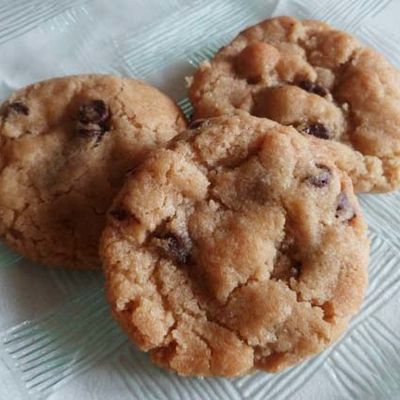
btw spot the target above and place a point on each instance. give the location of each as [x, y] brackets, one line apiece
[239, 247]
[65, 146]
[322, 81]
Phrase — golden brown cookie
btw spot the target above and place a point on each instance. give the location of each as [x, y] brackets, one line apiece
[65, 146]
[320, 80]
[240, 246]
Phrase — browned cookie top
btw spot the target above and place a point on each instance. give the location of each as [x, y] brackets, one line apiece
[65, 146]
[240, 246]
[322, 81]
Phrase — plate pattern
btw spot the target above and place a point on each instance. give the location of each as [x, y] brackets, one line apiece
[48, 354]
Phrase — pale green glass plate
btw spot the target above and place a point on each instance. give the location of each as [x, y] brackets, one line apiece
[57, 338]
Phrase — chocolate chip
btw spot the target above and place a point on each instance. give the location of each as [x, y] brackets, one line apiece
[131, 170]
[344, 209]
[313, 87]
[93, 119]
[320, 90]
[119, 214]
[295, 269]
[318, 130]
[18, 107]
[16, 234]
[196, 123]
[94, 111]
[322, 179]
[253, 80]
[174, 248]
[306, 85]
[90, 130]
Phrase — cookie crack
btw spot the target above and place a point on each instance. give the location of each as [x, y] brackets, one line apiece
[204, 311]
[131, 119]
[165, 303]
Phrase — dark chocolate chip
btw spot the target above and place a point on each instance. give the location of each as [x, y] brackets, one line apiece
[119, 214]
[318, 130]
[197, 123]
[132, 170]
[93, 119]
[306, 85]
[90, 130]
[94, 111]
[18, 107]
[313, 87]
[322, 179]
[175, 248]
[16, 234]
[320, 90]
[344, 209]
[295, 269]
[253, 80]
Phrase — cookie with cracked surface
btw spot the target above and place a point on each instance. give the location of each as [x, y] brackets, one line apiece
[240, 246]
[322, 81]
[65, 146]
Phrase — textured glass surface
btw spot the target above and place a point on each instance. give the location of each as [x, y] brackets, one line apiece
[57, 339]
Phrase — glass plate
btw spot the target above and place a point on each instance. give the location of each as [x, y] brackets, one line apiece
[58, 340]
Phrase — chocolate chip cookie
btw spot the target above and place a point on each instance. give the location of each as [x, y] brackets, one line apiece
[65, 146]
[241, 246]
[320, 80]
